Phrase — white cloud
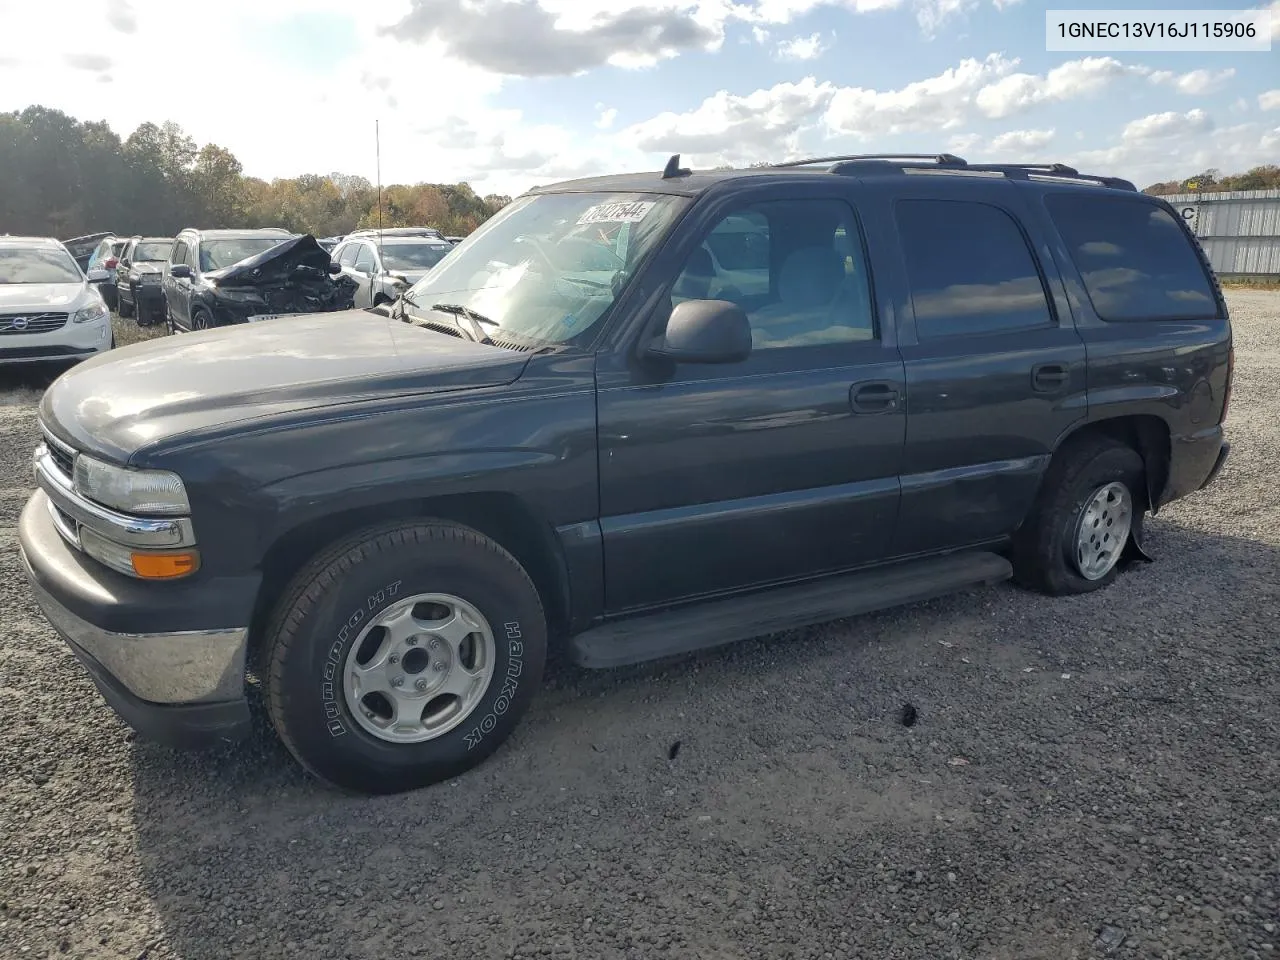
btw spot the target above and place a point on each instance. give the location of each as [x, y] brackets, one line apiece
[1275, 17]
[1012, 146]
[1196, 82]
[1021, 141]
[802, 48]
[761, 34]
[1168, 124]
[941, 102]
[1180, 151]
[930, 14]
[607, 116]
[1269, 100]
[731, 128]
[120, 15]
[1069, 81]
[536, 38]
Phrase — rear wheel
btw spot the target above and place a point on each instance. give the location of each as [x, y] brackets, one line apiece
[403, 656]
[1092, 501]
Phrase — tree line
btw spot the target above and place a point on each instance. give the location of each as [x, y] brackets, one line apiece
[63, 177]
[1265, 177]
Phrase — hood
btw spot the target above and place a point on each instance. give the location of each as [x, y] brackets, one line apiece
[40, 296]
[277, 265]
[147, 266]
[197, 383]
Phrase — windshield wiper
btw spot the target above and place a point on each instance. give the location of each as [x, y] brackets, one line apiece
[404, 298]
[476, 320]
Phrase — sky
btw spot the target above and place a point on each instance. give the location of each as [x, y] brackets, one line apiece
[509, 94]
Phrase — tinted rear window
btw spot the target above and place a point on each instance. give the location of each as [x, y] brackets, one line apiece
[1135, 259]
[970, 270]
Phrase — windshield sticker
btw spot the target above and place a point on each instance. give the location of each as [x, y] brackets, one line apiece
[631, 212]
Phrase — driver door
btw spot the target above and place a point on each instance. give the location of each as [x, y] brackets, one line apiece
[781, 467]
[177, 290]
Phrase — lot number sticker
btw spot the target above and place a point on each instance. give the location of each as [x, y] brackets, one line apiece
[632, 212]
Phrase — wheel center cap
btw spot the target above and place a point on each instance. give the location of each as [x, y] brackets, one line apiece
[415, 661]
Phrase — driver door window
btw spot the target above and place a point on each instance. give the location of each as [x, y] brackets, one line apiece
[798, 270]
[364, 261]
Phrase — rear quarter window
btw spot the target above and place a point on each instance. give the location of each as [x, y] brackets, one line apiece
[1135, 259]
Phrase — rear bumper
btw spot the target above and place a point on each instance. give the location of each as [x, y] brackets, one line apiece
[183, 684]
[1218, 465]
[146, 293]
[1195, 460]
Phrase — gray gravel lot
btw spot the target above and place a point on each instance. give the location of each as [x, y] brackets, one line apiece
[1082, 771]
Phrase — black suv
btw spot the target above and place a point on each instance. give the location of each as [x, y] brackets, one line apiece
[636, 416]
[189, 281]
[138, 276]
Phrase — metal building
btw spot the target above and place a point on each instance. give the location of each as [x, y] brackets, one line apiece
[1239, 230]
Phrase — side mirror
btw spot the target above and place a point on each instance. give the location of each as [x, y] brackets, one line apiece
[335, 268]
[97, 275]
[126, 263]
[181, 271]
[704, 331]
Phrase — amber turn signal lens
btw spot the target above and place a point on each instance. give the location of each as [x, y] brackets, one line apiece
[165, 566]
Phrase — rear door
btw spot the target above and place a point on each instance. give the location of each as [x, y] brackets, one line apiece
[995, 368]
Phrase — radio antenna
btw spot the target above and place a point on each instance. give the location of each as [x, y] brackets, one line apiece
[377, 141]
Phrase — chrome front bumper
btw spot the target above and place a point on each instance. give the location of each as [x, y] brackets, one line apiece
[194, 666]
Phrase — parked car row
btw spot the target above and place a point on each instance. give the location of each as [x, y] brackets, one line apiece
[56, 296]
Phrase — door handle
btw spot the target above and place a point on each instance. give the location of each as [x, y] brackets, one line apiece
[1049, 377]
[878, 397]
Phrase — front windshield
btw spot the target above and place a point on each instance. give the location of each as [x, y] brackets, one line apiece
[413, 256]
[37, 265]
[216, 254]
[547, 267]
[150, 252]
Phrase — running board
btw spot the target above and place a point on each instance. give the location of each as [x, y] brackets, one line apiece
[697, 627]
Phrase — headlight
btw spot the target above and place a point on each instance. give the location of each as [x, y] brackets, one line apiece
[232, 295]
[133, 491]
[95, 311]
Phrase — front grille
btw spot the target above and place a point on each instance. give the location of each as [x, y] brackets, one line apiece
[62, 455]
[62, 459]
[20, 323]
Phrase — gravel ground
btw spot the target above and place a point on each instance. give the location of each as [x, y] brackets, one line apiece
[1087, 777]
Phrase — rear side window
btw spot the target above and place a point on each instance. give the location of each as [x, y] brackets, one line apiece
[970, 270]
[1134, 258]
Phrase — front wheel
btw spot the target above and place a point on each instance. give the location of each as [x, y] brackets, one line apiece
[1092, 502]
[201, 320]
[403, 656]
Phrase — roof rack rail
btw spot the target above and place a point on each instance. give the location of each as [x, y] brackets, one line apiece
[1054, 170]
[942, 159]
